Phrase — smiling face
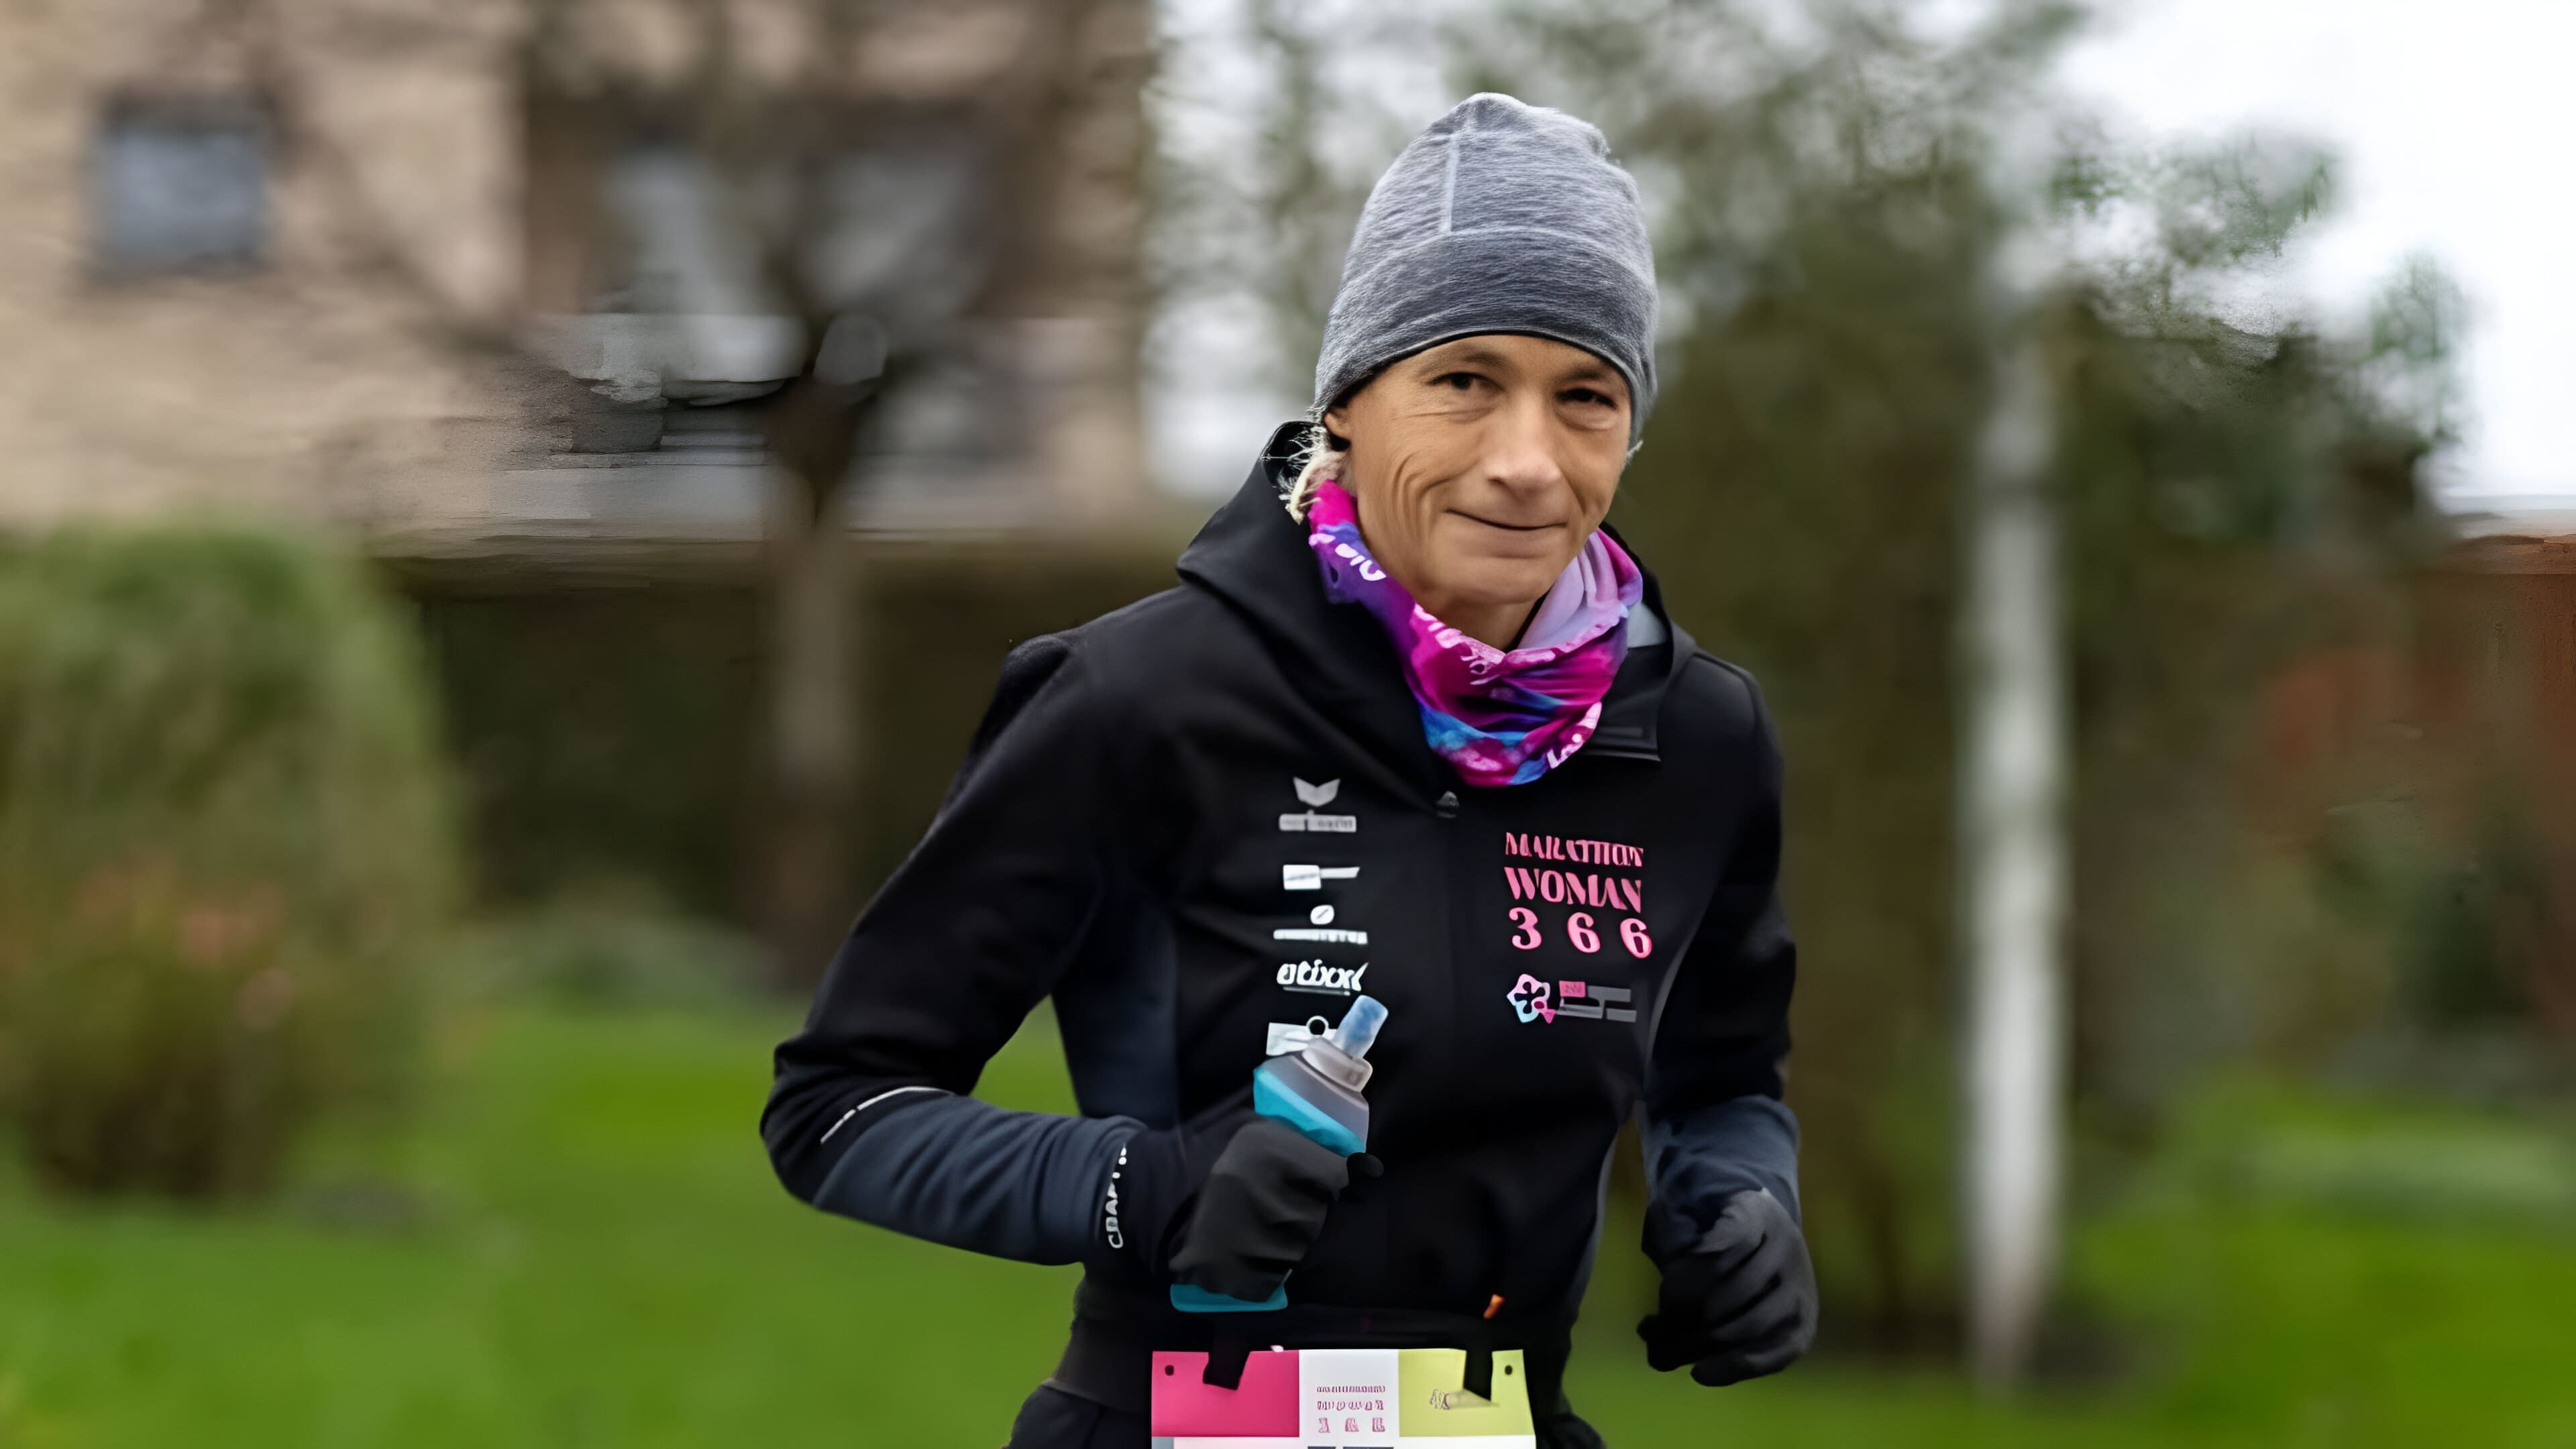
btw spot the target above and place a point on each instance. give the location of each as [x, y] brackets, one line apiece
[1480, 467]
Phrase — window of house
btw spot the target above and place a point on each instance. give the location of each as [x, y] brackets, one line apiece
[179, 187]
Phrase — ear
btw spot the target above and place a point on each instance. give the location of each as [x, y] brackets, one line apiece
[1337, 424]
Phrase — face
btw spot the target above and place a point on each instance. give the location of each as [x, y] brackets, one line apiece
[1481, 466]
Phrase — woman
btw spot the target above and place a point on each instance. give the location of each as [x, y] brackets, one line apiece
[1413, 724]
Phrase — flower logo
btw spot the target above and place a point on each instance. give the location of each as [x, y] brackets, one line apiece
[1529, 998]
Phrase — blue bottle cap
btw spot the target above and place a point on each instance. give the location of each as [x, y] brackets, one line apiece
[1359, 1028]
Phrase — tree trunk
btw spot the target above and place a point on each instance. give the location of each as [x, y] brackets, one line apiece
[2013, 875]
[815, 650]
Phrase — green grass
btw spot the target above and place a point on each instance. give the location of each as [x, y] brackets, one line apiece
[601, 1258]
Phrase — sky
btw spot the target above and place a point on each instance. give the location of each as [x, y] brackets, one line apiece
[2451, 121]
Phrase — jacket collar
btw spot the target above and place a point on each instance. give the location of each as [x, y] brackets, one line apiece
[1254, 557]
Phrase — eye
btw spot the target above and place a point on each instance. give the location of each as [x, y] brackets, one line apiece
[1457, 381]
[1590, 397]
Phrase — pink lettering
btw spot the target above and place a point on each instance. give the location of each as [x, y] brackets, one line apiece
[1518, 878]
[1551, 887]
[1574, 851]
[1636, 897]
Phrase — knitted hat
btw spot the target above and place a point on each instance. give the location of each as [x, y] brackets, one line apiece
[1501, 217]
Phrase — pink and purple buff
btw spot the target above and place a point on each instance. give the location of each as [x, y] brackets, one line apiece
[1499, 717]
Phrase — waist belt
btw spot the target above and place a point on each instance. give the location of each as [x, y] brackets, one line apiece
[1109, 1359]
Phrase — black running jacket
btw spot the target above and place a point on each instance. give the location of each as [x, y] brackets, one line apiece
[1202, 824]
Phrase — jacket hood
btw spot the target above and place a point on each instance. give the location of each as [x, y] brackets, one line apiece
[1254, 557]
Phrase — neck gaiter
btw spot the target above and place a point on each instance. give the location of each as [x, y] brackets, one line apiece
[1499, 717]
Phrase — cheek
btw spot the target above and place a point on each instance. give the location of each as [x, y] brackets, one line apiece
[1421, 468]
[1596, 487]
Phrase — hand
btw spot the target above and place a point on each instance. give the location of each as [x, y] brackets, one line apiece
[1261, 1208]
[1742, 1303]
[1152, 1183]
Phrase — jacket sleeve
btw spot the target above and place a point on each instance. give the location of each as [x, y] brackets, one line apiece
[869, 1115]
[1715, 1121]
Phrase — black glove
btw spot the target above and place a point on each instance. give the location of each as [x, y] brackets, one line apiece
[1261, 1208]
[1152, 1183]
[1232, 1195]
[1742, 1302]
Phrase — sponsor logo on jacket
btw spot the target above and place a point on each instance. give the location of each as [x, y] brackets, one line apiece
[1534, 1000]
[1315, 976]
[1110, 1231]
[1312, 877]
[1314, 797]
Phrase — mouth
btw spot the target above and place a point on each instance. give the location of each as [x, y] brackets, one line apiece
[1506, 527]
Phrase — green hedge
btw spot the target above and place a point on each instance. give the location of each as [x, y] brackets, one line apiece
[611, 733]
[225, 840]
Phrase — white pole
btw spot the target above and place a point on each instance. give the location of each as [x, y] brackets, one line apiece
[2013, 877]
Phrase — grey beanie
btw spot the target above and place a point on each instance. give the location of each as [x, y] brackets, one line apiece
[1500, 217]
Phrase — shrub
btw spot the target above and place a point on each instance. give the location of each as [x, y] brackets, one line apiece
[224, 838]
[610, 943]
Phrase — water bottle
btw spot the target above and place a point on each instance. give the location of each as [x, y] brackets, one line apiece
[1315, 1089]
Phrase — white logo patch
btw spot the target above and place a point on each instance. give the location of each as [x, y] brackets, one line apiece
[1312, 877]
[1291, 1036]
[1314, 796]
[1320, 916]
[1335, 936]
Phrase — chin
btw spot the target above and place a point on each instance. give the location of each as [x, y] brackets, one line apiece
[1505, 582]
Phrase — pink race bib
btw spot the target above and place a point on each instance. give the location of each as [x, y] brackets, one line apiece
[1341, 1398]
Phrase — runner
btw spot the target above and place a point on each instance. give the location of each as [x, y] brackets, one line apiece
[1413, 724]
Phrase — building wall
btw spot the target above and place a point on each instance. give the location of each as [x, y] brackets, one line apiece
[124, 396]
[378, 369]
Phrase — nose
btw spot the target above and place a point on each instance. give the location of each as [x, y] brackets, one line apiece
[1521, 453]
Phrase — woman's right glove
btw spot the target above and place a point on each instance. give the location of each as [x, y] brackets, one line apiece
[1229, 1205]
[1261, 1208]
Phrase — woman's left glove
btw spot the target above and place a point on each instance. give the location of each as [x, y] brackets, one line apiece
[1742, 1302]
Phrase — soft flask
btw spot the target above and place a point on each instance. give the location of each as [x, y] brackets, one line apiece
[1315, 1089]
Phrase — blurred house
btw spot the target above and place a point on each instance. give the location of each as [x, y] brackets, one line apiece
[461, 277]
[2465, 727]
[524, 295]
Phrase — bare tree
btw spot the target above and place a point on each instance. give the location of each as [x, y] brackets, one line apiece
[872, 236]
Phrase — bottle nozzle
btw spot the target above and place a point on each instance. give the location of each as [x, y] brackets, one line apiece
[1359, 1028]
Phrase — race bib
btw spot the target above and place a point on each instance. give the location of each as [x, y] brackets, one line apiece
[1341, 1398]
